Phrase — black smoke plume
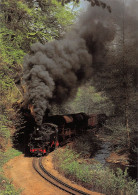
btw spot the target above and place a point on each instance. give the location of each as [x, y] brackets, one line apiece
[55, 70]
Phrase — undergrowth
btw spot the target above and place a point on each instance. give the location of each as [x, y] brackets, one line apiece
[6, 188]
[7, 119]
[93, 176]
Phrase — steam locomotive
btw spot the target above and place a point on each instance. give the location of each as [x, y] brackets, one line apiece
[58, 129]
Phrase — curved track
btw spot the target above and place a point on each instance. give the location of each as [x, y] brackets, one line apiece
[38, 166]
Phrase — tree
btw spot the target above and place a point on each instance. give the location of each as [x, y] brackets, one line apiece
[90, 101]
[26, 22]
[118, 76]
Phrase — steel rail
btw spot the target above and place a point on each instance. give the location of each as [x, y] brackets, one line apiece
[44, 177]
[41, 167]
[59, 181]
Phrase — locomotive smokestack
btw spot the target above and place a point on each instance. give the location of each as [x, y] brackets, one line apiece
[31, 108]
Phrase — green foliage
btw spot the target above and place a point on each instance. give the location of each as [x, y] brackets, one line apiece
[11, 51]
[118, 136]
[6, 83]
[6, 188]
[4, 130]
[22, 25]
[6, 156]
[95, 176]
[9, 93]
[90, 101]
[83, 144]
[63, 17]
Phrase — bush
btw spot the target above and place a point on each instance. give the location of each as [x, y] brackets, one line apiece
[82, 145]
[95, 176]
[7, 188]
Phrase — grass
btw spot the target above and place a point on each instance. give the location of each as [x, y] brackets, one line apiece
[93, 176]
[6, 156]
[6, 188]
[4, 130]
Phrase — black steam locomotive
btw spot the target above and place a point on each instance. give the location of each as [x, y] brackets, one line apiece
[58, 129]
[44, 139]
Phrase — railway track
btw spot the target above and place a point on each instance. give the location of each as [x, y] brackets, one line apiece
[38, 166]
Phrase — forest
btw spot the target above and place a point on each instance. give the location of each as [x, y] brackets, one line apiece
[90, 66]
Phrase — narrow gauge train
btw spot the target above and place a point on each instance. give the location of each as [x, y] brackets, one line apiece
[43, 139]
[58, 129]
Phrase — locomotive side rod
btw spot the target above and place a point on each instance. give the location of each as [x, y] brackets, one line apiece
[53, 180]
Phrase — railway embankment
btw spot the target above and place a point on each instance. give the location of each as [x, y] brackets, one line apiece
[77, 163]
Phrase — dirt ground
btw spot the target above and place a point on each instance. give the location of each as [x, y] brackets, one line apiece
[23, 176]
[116, 158]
